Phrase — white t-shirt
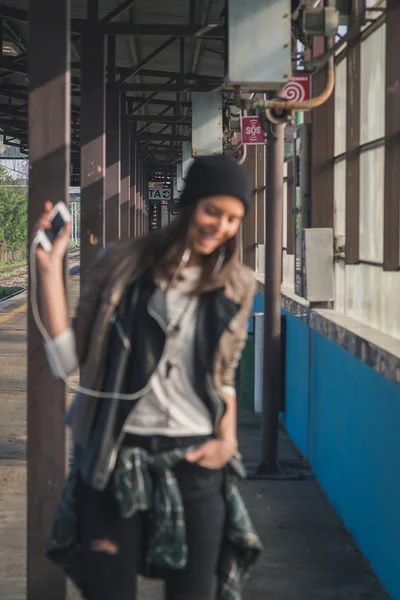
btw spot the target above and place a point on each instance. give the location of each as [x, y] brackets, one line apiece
[171, 407]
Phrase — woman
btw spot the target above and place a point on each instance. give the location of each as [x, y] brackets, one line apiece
[158, 335]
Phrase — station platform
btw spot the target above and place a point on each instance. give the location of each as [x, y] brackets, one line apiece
[308, 554]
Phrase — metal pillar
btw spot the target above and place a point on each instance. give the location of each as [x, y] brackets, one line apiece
[144, 200]
[125, 180]
[260, 195]
[249, 222]
[113, 150]
[49, 156]
[272, 300]
[138, 197]
[391, 243]
[92, 147]
[132, 199]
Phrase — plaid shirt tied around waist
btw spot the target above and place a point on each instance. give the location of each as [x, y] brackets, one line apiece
[146, 482]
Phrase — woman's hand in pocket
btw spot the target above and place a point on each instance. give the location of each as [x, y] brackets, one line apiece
[213, 454]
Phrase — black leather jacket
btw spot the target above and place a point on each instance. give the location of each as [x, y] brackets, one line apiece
[141, 318]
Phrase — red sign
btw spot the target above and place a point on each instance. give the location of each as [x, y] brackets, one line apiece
[297, 89]
[252, 132]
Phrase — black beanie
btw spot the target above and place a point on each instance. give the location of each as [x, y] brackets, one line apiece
[213, 176]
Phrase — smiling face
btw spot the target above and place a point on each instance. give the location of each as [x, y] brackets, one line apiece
[216, 219]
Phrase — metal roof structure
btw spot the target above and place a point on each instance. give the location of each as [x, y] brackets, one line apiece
[163, 50]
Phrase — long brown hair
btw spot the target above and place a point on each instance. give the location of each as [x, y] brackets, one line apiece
[162, 250]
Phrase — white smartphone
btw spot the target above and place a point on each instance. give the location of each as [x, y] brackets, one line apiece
[58, 217]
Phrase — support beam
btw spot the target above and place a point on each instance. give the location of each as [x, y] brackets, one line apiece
[182, 75]
[164, 137]
[148, 123]
[156, 29]
[272, 362]
[353, 132]
[249, 222]
[164, 87]
[211, 79]
[49, 152]
[322, 152]
[158, 118]
[138, 219]
[92, 137]
[93, 7]
[119, 10]
[113, 150]
[156, 101]
[132, 199]
[144, 202]
[125, 180]
[290, 208]
[145, 61]
[260, 195]
[192, 11]
[146, 101]
[14, 14]
[391, 242]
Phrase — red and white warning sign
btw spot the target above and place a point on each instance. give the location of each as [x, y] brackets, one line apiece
[252, 132]
[156, 185]
[297, 89]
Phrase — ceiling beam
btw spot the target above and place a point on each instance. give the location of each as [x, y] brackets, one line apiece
[13, 111]
[9, 93]
[150, 142]
[146, 125]
[11, 64]
[162, 87]
[156, 101]
[159, 29]
[119, 10]
[107, 27]
[13, 14]
[126, 73]
[172, 74]
[162, 137]
[148, 99]
[155, 118]
[131, 72]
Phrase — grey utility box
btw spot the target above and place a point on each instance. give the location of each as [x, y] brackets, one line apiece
[207, 135]
[259, 44]
[318, 276]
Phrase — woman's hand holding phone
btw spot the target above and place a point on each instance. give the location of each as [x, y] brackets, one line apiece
[51, 261]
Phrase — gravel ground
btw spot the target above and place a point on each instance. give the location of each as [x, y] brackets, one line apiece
[17, 278]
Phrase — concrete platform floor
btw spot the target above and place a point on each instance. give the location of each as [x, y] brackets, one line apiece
[308, 554]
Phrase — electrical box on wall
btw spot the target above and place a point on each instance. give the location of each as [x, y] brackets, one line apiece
[318, 276]
[207, 134]
[259, 44]
[176, 190]
[179, 181]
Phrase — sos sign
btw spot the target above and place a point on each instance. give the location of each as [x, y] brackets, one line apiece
[252, 132]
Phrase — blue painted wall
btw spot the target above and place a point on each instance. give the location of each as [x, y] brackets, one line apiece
[297, 382]
[355, 452]
[345, 418]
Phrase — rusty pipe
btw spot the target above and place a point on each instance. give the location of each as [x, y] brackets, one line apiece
[244, 155]
[288, 105]
[239, 147]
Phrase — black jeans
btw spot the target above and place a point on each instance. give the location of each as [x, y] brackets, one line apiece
[113, 573]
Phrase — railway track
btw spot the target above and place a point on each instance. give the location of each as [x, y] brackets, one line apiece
[15, 280]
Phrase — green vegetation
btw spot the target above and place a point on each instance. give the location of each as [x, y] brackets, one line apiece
[13, 214]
